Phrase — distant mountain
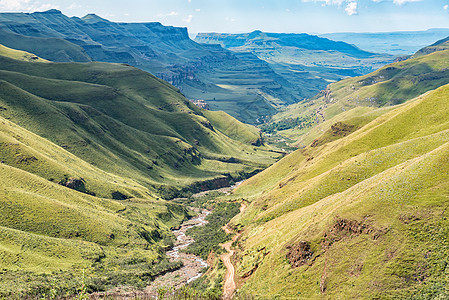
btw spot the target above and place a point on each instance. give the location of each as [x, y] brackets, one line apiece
[440, 45]
[397, 43]
[392, 84]
[309, 61]
[258, 38]
[239, 84]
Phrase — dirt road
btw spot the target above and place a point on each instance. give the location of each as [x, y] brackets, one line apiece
[229, 284]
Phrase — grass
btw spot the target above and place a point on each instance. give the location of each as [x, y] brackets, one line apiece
[86, 155]
[198, 70]
[389, 177]
[104, 117]
[390, 85]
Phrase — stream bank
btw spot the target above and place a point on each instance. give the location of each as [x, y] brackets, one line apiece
[193, 265]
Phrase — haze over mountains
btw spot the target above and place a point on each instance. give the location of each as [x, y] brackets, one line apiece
[241, 83]
[99, 160]
[397, 43]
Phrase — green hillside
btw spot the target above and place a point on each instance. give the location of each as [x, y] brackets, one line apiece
[439, 45]
[240, 84]
[101, 113]
[390, 85]
[363, 216]
[87, 152]
[52, 231]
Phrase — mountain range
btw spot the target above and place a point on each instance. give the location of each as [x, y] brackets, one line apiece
[99, 159]
[240, 83]
[397, 43]
[351, 97]
[307, 61]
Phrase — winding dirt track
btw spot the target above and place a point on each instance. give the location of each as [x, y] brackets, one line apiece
[229, 284]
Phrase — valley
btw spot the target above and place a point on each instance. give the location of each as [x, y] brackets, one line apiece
[137, 163]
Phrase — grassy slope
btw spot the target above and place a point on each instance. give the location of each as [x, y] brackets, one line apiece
[391, 176]
[165, 51]
[46, 227]
[103, 124]
[392, 84]
[19, 55]
[101, 113]
[54, 49]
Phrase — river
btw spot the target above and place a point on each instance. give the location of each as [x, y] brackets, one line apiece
[193, 265]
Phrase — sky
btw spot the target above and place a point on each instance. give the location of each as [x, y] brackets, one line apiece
[237, 16]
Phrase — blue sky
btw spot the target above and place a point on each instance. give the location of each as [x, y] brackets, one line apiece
[311, 16]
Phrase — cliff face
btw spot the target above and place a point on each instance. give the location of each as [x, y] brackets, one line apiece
[306, 61]
[301, 40]
[234, 82]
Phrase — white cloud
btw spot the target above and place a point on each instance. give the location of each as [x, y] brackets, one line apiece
[14, 5]
[351, 8]
[42, 7]
[401, 2]
[198, 9]
[74, 6]
[230, 19]
[328, 2]
[25, 5]
[188, 19]
[170, 14]
[446, 7]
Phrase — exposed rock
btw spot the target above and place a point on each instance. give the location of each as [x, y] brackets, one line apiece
[119, 196]
[299, 254]
[24, 159]
[74, 183]
[343, 228]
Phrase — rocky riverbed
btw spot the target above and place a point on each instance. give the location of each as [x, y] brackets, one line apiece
[193, 265]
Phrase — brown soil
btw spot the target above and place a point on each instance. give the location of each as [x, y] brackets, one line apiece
[345, 228]
[229, 283]
[299, 254]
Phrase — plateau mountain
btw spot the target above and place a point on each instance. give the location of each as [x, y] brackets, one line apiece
[309, 61]
[240, 84]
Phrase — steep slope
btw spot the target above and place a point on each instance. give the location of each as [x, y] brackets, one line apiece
[360, 217]
[124, 120]
[391, 84]
[52, 230]
[86, 152]
[307, 61]
[439, 45]
[201, 72]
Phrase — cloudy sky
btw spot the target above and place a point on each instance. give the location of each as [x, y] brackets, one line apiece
[312, 16]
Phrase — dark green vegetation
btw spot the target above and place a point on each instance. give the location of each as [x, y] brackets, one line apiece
[289, 123]
[101, 113]
[86, 152]
[306, 61]
[208, 237]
